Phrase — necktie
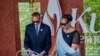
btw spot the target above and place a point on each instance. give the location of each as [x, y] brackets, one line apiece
[36, 28]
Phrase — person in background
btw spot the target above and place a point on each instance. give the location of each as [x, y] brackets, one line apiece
[68, 39]
[37, 36]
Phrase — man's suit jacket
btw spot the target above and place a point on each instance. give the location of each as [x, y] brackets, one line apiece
[40, 42]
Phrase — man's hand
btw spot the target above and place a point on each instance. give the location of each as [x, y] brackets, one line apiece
[30, 52]
[42, 53]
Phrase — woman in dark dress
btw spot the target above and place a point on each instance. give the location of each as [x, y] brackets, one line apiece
[68, 38]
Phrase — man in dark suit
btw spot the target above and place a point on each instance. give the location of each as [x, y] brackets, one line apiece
[37, 36]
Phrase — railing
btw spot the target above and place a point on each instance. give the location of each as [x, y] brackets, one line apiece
[27, 52]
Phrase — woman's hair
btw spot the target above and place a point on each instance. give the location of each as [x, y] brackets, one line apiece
[68, 17]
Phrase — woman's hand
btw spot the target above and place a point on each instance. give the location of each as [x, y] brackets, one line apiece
[53, 52]
[75, 46]
[51, 55]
